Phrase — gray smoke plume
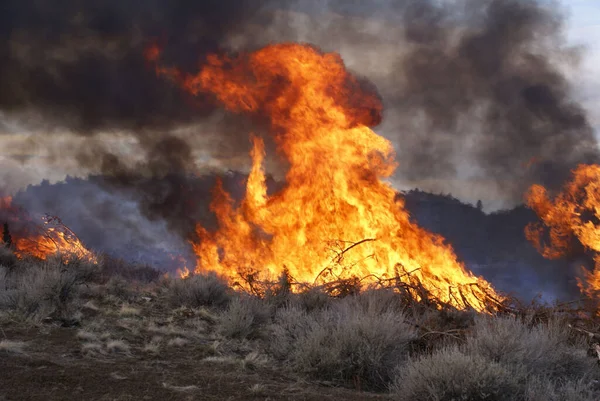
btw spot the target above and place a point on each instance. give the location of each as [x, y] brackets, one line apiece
[469, 81]
[475, 85]
[500, 74]
[81, 67]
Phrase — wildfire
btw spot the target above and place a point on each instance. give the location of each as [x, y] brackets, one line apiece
[41, 239]
[182, 272]
[335, 218]
[574, 214]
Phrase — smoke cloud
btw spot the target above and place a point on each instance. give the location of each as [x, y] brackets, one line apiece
[470, 87]
[81, 65]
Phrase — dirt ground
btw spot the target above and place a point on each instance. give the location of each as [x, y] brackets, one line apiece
[52, 367]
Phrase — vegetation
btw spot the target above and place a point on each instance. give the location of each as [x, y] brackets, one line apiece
[385, 343]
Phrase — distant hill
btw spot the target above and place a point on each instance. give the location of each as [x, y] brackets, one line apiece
[494, 245]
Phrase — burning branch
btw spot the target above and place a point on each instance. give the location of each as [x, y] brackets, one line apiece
[335, 186]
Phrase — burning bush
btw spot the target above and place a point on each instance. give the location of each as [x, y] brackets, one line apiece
[336, 218]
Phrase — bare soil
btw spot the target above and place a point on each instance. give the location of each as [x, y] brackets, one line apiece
[53, 367]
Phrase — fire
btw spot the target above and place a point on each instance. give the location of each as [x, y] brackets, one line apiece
[573, 215]
[183, 273]
[51, 240]
[41, 239]
[335, 218]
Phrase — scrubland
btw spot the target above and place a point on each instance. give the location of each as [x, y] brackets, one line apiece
[73, 330]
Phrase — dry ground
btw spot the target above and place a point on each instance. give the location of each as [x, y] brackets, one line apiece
[74, 330]
[48, 362]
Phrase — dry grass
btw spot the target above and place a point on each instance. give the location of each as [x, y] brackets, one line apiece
[245, 317]
[12, 347]
[128, 311]
[449, 374]
[372, 341]
[200, 290]
[154, 346]
[181, 389]
[88, 336]
[544, 390]
[118, 347]
[7, 257]
[355, 340]
[178, 342]
[35, 290]
[258, 389]
[92, 349]
[541, 349]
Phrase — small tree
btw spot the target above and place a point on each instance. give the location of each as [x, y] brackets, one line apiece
[6, 237]
[479, 205]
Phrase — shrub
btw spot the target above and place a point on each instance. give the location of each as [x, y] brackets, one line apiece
[542, 349]
[376, 301]
[3, 279]
[348, 342]
[200, 290]
[120, 288]
[451, 375]
[7, 257]
[38, 289]
[547, 390]
[244, 317]
[130, 271]
[313, 299]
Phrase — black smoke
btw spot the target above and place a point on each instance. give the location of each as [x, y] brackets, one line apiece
[81, 65]
[474, 80]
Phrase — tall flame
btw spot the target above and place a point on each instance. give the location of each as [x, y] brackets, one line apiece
[573, 214]
[335, 218]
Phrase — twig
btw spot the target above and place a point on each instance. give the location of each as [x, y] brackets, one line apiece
[444, 333]
[589, 333]
[343, 252]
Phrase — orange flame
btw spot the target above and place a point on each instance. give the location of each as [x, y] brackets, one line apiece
[183, 273]
[50, 242]
[42, 240]
[335, 218]
[574, 214]
[5, 203]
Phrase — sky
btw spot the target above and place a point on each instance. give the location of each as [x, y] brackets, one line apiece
[584, 29]
[35, 162]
